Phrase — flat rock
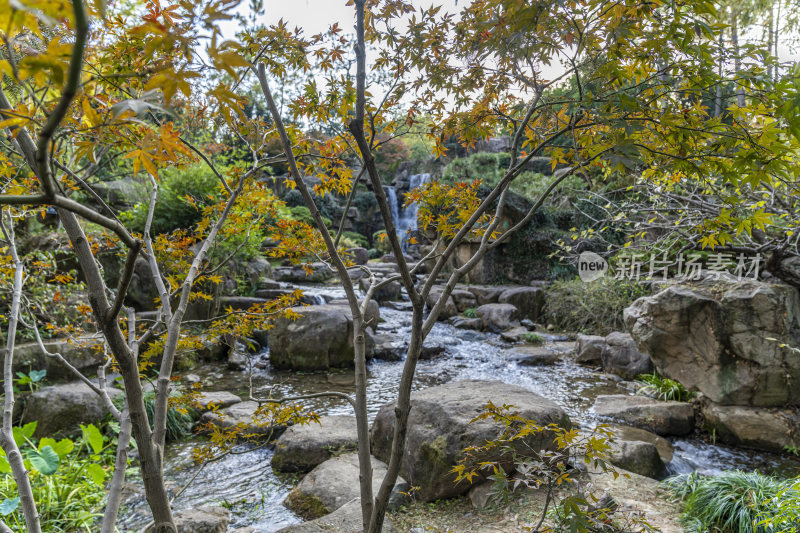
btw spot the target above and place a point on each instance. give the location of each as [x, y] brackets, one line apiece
[242, 413]
[771, 430]
[219, 399]
[346, 519]
[304, 446]
[334, 483]
[439, 429]
[664, 418]
[532, 356]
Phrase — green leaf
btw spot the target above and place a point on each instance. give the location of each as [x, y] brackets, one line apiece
[24, 432]
[96, 473]
[5, 468]
[37, 375]
[93, 437]
[62, 447]
[45, 460]
[9, 506]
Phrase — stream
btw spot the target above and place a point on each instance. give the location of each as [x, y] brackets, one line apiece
[248, 486]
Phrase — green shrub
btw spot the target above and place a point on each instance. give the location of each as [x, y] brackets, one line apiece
[595, 307]
[67, 478]
[733, 502]
[663, 388]
[173, 210]
[355, 240]
[470, 312]
[179, 422]
[303, 214]
[533, 338]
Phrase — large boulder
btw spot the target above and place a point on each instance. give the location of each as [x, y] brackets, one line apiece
[439, 429]
[630, 433]
[639, 457]
[528, 300]
[621, 357]
[449, 309]
[336, 482]
[590, 349]
[664, 418]
[772, 430]
[372, 315]
[346, 519]
[497, 317]
[386, 293]
[84, 353]
[731, 341]
[321, 337]
[62, 408]
[304, 446]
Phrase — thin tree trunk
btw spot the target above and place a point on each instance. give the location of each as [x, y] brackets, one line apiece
[29, 510]
[737, 60]
[118, 479]
[152, 476]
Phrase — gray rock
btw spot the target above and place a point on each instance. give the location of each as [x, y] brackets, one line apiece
[528, 300]
[206, 401]
[240, 303]
[60, 409]
[497, 317]
[359, 256]
[304, 446]
[346, 519]
[142, 292]
[84, 353]
[590, 349]
[319, 273]
[515, 334]
[449, 309]
[387, 293]
[664, 418]
[480, 495]
[203, 520]
[464, 299]
[486, 294]
[639, 457]
[439, 429]
[237, 358]
[244, 413]
[462, 322]
[387, 348]
[623, 358]
[319, 339]
[630, 433]
[532, 356]
[334, 483]
[728, 340]
[771, 430]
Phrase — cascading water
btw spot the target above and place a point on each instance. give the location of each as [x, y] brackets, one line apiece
[405, 220]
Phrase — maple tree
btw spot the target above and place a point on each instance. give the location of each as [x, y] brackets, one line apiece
[86, 88]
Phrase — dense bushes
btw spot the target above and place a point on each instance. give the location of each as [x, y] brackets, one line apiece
[490, 168]
[596, 307]
[736, 502]
[173, 209]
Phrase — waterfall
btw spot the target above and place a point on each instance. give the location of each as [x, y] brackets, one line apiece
[405, 220]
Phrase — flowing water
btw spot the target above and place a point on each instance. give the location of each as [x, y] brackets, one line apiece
[247, 483]
[405, 218]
